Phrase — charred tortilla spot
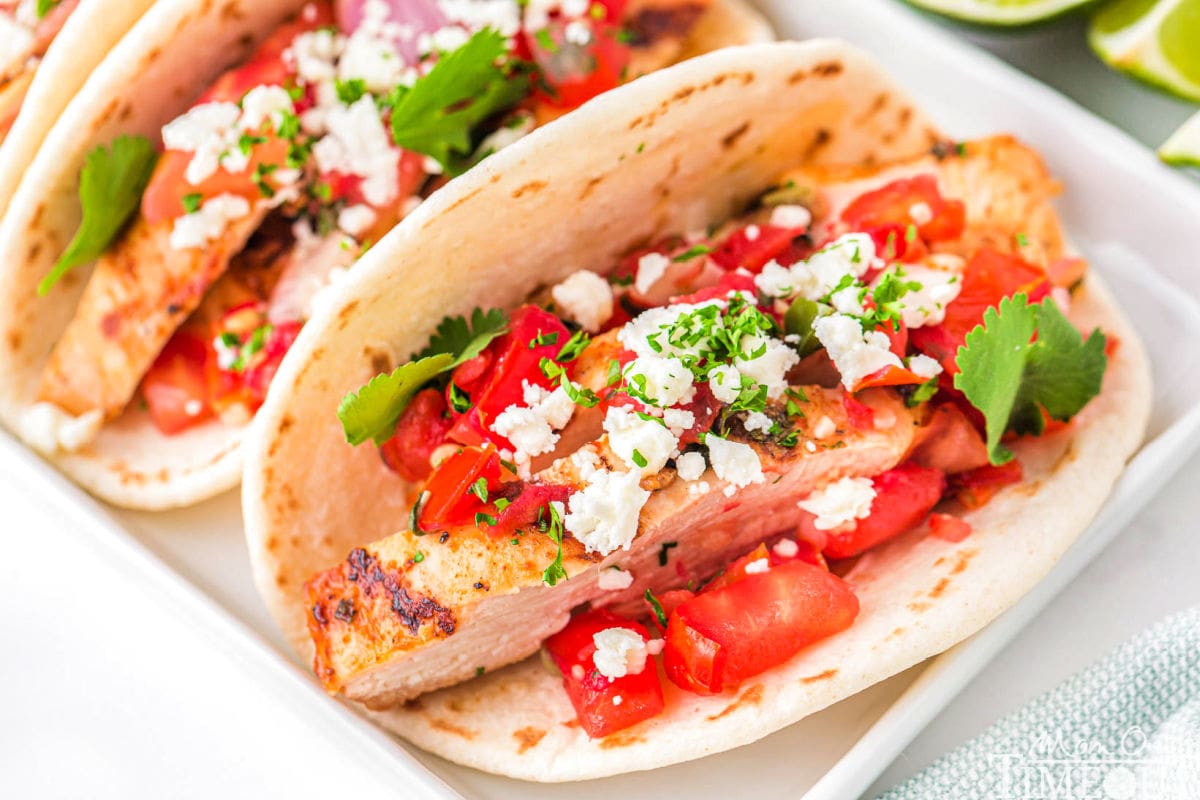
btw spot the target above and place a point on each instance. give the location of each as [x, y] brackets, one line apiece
[731, 138]
[527, 738]
[828, 69]
[820, 676]
[964, 558]
[917, 606]
[591, 184]
[796, 77]
[752, 696]
[938, 590]
[465, 198]
[821, 137]
[450, 727]
[623, 738]
[13, 337]
[532, 187]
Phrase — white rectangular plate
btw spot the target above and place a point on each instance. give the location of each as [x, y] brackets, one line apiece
[1131, 217]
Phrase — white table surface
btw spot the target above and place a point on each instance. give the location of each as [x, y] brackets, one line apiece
[110, 698]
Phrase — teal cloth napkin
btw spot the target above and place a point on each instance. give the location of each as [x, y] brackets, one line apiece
[1127, 728]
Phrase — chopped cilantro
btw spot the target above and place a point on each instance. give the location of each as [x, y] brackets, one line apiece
[44, 7]
[350, 91]
[1016, 380]
[694, 251]
[639, 459]
[110, 188]
[1022, 240]
[503, 503]
[482, 518]
[543, 339]
[555, 572]
[191, 202]
[656, 607]
[418, 557]
[479, 489]
[460, 401]
[430, 116]
[479, 672]
[414, 514]
[574, 346]
[922, 393]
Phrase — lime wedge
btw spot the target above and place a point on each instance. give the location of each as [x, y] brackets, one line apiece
[1009, 13]
[1183, 148]
[1157, 41]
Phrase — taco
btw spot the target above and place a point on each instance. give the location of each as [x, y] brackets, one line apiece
[762, 393]
[190, 273]
[81, 32]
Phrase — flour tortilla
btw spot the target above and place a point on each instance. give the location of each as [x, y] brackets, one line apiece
[172, 54]
[671, 152]
[87, 35]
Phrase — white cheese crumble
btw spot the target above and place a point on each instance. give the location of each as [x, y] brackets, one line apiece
[768, 367]
[690, 466]
[48, 429]
[758, 566]
[356, 219]
[628, 433]
[655, 646]
[370, 53]
[650, 268]
[824, 427]
[532, 428]
[617, 700]
[604, 515]
[855, 353]
[586, 298]
[359, 144]
[678, 420]
[752, 232]
[208, 222]
[613, 580]
[840, 503]
[791, 216]
[852, 254]
[734, 462]
[578, 33]
[786, 548]
[924, 366]
[619, 652]
[725, 382]
[207, 131]
[920, 213]
[757, 421]
[665, 382]
[698, 489]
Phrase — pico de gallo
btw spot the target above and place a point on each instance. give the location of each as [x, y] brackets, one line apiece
[875, 337]
[289, 166]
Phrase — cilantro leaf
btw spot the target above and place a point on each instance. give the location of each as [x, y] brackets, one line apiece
[373, 411]
[1013, 378]
[555, 572]
[436, 115]
[44, 7]
[110, 188]
[466, 339]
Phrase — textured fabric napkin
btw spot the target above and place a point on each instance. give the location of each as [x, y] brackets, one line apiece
[1127, 728]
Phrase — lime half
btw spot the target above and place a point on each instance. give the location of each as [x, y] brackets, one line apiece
[1157, 41]
[1002, 12]
[1183, 148]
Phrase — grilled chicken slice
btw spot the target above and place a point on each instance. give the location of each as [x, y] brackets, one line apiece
[141, 291]
[389, 627]
[1005, 186]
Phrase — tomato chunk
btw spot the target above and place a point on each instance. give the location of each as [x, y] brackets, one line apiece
[175, 387]
[604, 705]
[740, 249]
[720, 638]
[421, 430]
[909, 201]
[533, 334]
[949, 527]
[572, 72]
[903, 498]
[450, 498]
[977, 486]
[989, 277]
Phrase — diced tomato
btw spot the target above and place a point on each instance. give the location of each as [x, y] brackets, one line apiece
[704, 409]
[861, 415]
[893, 243]
[949, 527]
[720, 638]
[893, 204]
[449, 499]
[669, 601]
[989, 277]
[976, 487]
[739, 250]
[730, 282]
[467, 374]
[524, 507]
[903, 498]
[889, 376]
[604, 705]
[575, 73]
[517, 358]
[421, 430]
[736, 571]
[949, 442]
[175, 387]
[261, 369]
